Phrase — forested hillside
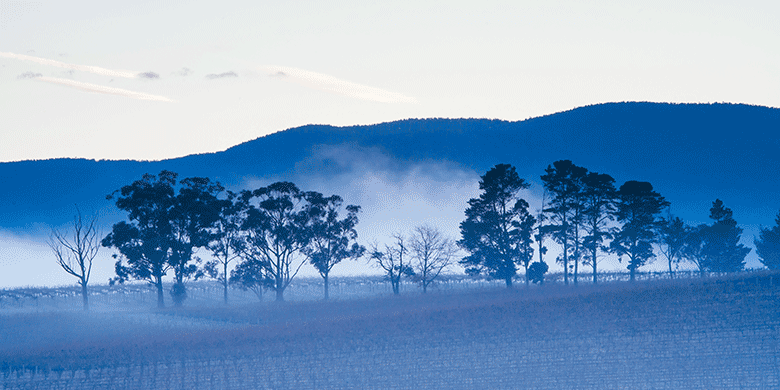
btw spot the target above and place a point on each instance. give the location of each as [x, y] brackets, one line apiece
[688, 151]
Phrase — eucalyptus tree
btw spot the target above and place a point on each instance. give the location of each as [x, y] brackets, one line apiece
[144, 241]
[76, 250]
[693, 248]
[276, 231]
[563, 181]
[195, 210]
[672, 239]
[637, 209]
[226, 245]
[598, 196]
[498, 227]
[251, 274]
[332, 240]
[768, 245]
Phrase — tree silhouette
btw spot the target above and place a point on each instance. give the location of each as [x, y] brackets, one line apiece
[195, 210]
[226, 244]
[251, 274]
[722, 250]
[768, 245]
[330, 237]
[563, 181]
[393, 261]
[542, 230]
[637, 208]
[536, 272]
[598, 197]
[431, 253]
[145, 242]
[693, 247]
[276, 229]
[672, 238]
[497, 230]
[76, 252]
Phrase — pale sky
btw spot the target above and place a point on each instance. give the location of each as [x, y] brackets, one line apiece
[154, 80]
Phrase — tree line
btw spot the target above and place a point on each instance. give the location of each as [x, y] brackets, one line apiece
[271, 232]
[588, 217]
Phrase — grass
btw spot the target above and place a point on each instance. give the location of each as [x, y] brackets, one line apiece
[692, 333]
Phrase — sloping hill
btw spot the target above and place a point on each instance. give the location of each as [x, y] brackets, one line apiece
[692, 153]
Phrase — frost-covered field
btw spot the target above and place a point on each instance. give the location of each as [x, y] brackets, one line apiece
[716, 333]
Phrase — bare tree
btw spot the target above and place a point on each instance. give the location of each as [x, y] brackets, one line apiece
[392, 261]
[431, 254]
[76, 252]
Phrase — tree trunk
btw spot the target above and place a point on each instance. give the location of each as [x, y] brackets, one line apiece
[279, 288]
[179, 292]
[85, 295]
[225, 282]
[325, 277]
[632, 273]
[576, 267]
[160, 294]
[425, 286]
[527, 280]
[595, 274]
[508, 281]
[671, 273]
[565, 263]
[395, 282]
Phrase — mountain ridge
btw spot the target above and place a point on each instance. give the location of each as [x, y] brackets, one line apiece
[623, 139]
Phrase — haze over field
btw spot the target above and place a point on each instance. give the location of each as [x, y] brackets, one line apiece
[401, 108]
[411, 172]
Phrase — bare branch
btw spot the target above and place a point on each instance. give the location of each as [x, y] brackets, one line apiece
[76, 254]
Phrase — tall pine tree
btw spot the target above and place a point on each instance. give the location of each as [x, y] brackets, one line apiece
[498, 227]
[637, 209]
[768, 246]
[722, 250]
[563, 181]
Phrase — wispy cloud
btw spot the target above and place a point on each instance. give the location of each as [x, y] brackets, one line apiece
[28, 75]
[221, 75]
[332, 84]
[184, 72]
[149, 75]
[101, 89]
[84, 68]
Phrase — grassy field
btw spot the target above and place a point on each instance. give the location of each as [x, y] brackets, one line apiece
[716, 333]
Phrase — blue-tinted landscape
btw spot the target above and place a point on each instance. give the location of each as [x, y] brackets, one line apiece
[688, 308]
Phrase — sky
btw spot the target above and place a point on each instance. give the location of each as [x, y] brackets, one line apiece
[153, 80]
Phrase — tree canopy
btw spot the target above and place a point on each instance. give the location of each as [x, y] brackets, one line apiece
[722, 250]
[332, 240]
[498, 227]
[637, 209]
[768, 245]
[277, 229]
[563, 182]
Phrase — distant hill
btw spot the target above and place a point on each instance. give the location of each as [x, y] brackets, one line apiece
[691, 153]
